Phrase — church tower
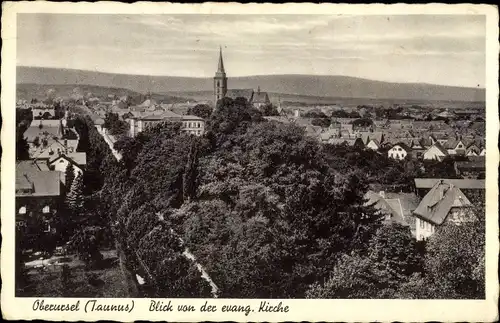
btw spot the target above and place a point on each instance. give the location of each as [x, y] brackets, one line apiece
[220, 80]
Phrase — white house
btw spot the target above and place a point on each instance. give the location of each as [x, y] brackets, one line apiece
[455, 147]
[399, 151]
[373, 144]
[483, 152]
[60, 161]
[443, 203]
[435, 152]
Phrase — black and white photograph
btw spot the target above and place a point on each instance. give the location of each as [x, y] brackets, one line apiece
[250, 156]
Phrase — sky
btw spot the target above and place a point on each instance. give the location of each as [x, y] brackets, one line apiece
[436, 49]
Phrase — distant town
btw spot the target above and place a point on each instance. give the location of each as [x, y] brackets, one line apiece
[91, 169]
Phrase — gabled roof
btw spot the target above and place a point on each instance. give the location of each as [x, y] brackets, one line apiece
[437, 203]
[408, 201]
[459, 183]
[451, 143]
[386, 206]
[148, 103]
[77, 158]
[375, 141]
[439, 147]
[403, 145]
[260, 97]
[244, 93]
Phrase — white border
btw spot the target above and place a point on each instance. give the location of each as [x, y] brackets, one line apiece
[307, 310]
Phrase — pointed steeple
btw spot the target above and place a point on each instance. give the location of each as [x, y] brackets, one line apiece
[220, 80]
[220, 69]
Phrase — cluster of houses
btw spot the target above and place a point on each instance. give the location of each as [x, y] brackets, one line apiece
[436, 202]
[400, 139]
[149, 113]
[41, 179]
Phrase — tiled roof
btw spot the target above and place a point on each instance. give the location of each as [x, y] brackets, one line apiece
[438, 202]
[260, 97]
[459, 183]
[191, 117]
[53, 147]
[31, 165]
[408, 201]
[157, 115]
[43, 183]
[387, 206]
[34, 131]
[340, 141]
[477, 164]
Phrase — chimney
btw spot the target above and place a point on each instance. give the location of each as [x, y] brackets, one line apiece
[297, 113]
[382, 194]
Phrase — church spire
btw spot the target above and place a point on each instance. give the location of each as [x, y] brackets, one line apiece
[221, 62]
[220, 80]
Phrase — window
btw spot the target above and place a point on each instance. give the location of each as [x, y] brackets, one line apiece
[61, 161]
[47, 226]
[46, 209]
[421, 224]
[399, 149]
[22, 210]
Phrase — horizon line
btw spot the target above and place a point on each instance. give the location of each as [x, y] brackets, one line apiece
[253, 75]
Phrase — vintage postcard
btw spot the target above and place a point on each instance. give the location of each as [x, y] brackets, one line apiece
[249, 162]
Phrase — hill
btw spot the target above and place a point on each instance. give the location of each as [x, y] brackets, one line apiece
[301, 85]
[28, 91]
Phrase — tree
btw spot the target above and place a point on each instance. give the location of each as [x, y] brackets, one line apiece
[22, 148]
[390, 259]
[69, 176]
[269, 110]
[455, 258]
[315, 114]
[321, 122]
[200, 110]
[74, 199]
[115, 126]
[86, 243]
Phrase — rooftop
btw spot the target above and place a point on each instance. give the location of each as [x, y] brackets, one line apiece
[437, 203]
[39, 183]
[459, 183]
